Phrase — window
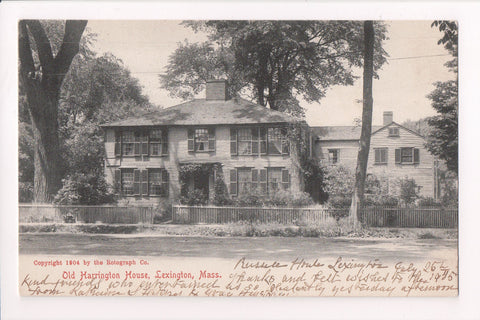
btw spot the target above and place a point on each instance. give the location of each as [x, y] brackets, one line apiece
[276, 140]
[381, 155]
[201, 140]
[256, 141]
[157, 182]
[127, 181]
[250, 180]
[244, 180]
[128, 143]
[333, 155]
[407, 155]
[393, 132]
[141, 142]
[245, 141]
[274, 179]
[158, 142]
[136, 182]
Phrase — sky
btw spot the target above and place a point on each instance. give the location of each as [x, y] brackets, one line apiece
[415, 62]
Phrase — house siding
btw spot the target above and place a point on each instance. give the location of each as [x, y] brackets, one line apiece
[178, 153]
[422, 173]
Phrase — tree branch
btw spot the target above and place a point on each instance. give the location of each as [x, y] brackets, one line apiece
[70, 47]
[24, 51]
[42, 43]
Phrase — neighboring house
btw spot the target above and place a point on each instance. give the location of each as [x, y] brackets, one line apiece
[395, 152]
[246, 143]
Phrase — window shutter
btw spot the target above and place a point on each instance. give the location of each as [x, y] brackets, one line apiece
[136, 182]
[263, 180]
[416, 155]
[118, 144]
[377, 156]
[285, 147]
[211, 139]
[164, 182]
[398, 156]
[233, 181]
[254, 179]
[117, 186]
[255, 141]
[165, 142]
[191, 140]
[285, 179]
[144, 188]
[145, 143]
[263, 140]
[233, 141]
[137, 145]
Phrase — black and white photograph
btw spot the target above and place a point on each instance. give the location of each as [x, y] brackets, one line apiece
[238, 157]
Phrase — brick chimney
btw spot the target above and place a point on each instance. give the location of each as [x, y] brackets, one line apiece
[216, 90]
[387, 117]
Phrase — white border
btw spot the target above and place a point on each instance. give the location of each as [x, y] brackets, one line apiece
[464, 307]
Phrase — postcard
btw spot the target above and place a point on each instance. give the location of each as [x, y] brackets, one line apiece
[238, 158]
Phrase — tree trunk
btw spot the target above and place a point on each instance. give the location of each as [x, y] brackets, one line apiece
[362, 159]
[42, 86]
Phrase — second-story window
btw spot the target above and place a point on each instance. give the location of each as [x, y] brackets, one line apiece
[128, 143]
[201, 140]
[158, 142]
[259, 141]
[333, 155]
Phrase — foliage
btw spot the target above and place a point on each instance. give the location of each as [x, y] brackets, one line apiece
[220, 197]
[280, 198]
[84, 189]
[409, 190]
[449, 189]
[276, 61]
[194, 197]
[163, 211]
[339, 181]
[442, 141]
[382, 200]
[287, 198]
[428, 202]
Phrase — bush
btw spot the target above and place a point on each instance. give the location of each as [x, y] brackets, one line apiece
[253, 198]
[428, 202]
[84, 189]
[25, 191]
[381, 201]
[163, 211]
[409, 190]
[340, 202]
[286, 198]
[194, 198]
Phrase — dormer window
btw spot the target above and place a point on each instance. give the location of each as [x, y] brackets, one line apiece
[393, 132]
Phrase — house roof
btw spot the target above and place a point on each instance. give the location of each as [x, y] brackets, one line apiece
[340, 132]
[348, 132]
[208, 112]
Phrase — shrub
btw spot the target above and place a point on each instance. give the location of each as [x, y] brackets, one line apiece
[428, 202]
[194, 198]
[381, 200]
[253, 198]
[25, 191]
[220, 197]
[339, 202]
[163, 211]
[409, 190]
[84, 189]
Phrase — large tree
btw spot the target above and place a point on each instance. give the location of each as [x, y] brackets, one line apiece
[41, 75]
[277, 62]
[442, 139]
[362, 159]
